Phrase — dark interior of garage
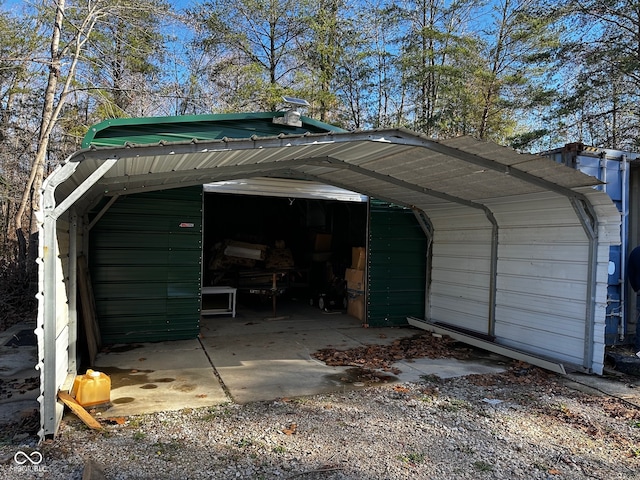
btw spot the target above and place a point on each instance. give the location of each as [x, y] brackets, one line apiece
[290, 248]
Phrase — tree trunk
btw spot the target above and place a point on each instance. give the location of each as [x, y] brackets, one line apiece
[31, 194]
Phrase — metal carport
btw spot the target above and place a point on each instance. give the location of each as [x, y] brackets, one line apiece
[518, 244]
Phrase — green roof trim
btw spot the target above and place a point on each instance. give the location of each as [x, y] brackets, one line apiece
[152, 130]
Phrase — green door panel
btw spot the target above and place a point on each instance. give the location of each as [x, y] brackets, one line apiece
[145, 260]
[397, 265]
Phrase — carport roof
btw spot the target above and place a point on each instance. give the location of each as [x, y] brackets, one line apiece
[397, 165]
[148, 130]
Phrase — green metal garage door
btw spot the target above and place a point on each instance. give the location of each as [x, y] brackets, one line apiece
[145, 255]
[397, 265]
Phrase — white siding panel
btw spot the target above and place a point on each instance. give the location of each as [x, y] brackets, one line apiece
[603, 264]
[608, 234]
[564, 326]
[572, 234]
[543, 275]
[558, 305]
[456, 293]
[470, 321]
[447, 262]
[529, 268]
[543, 288]
[562, 348]
[460, 268]
[448, 216]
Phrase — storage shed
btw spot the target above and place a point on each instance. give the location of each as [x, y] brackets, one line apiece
[619, 173]
[508, 249]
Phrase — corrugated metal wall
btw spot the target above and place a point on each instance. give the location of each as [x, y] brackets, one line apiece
[542, 274]
[633, 315]
[461, 266]
[397, 266]
[542, 277]
[62, 290]
[145, 259]
[612, 171]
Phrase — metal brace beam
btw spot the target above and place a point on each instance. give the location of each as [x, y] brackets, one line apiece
[490, 346]
[89, 182]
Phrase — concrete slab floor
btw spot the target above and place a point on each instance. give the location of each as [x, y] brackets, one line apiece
[19, 379]
[262, 357]
[162, 376]
[626, 388]
[253, 357]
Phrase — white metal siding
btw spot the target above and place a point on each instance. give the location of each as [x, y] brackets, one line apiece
[543, 274]
[62, 266]
[59, 253]
[461, 267]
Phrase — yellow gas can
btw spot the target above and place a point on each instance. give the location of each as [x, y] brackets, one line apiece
[92, 388]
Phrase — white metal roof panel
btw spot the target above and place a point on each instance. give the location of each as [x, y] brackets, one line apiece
[450, 167]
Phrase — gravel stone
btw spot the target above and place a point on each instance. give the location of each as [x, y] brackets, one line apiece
[513, 425]
[522, 424]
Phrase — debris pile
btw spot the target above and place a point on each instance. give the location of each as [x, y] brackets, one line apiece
[517, 373]
[384, 356]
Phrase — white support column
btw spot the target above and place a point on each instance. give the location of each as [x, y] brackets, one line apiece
[73, 297]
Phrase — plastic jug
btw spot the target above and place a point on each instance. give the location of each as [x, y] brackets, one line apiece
[92, 388]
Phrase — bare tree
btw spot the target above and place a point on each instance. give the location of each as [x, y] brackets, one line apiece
[72, 29]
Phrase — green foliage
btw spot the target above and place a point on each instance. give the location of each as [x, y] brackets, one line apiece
[413, 458]
[261, 34]
[598, 68]
[525, 140]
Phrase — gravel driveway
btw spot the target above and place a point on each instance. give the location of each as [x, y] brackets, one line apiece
[524, 423]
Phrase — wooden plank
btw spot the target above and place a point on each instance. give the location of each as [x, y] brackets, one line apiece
[79, 410]
[87, 303]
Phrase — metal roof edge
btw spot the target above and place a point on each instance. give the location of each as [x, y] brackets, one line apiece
[319, 124]
[110, 150]
[393, 135]
[591, 151]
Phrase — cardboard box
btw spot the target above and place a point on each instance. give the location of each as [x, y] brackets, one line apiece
[358, 258]
[355, 306]
[322, 242]
[355, 279]
[245, 250]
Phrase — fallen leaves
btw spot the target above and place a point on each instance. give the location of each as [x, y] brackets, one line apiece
[384, 356]
[617, 408]
[518, 373]
[116, 420]
[291, 429]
